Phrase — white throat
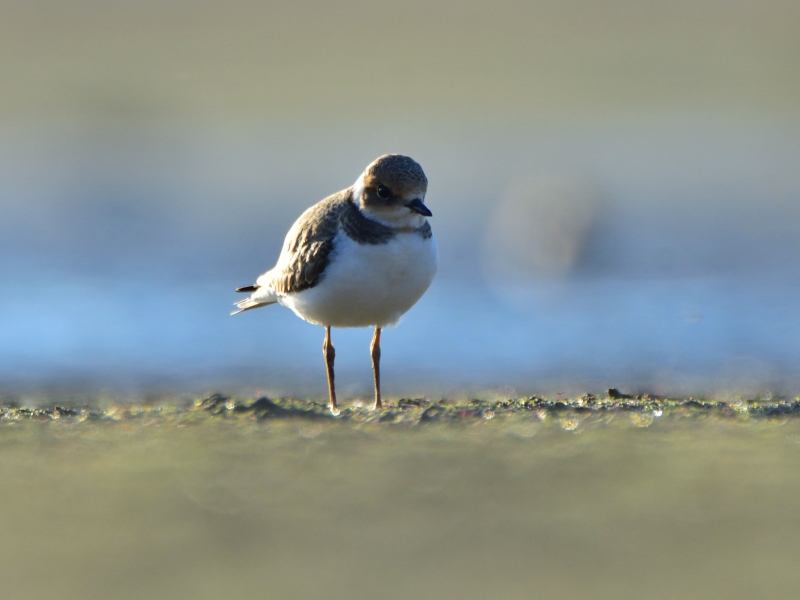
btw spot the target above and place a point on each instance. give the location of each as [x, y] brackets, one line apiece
[358, 189]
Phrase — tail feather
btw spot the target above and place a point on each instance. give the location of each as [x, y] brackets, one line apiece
[260, 297]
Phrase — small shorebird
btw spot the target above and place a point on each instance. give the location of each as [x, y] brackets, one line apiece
[361, 257]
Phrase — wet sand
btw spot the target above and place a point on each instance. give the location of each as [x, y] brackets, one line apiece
[580, 498]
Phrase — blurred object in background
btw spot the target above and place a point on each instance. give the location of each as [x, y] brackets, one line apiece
[539, 228]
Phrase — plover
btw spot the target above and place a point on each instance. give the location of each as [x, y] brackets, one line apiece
[361, 257]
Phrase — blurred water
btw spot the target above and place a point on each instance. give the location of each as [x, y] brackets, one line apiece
[663, 256]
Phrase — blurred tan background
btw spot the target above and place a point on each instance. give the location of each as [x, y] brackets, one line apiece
[329, 60]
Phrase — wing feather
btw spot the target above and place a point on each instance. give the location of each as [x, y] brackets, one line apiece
[308, 246]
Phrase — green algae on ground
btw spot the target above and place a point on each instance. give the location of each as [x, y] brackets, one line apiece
[640, 410]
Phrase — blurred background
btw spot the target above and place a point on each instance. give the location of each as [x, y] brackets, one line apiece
[615, 188]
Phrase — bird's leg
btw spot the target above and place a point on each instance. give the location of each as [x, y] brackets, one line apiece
[375, 349]
[329, 353]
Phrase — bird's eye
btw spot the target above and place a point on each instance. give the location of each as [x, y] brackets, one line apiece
[383, 192]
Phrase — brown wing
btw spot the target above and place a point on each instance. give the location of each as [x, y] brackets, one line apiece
[308, 245]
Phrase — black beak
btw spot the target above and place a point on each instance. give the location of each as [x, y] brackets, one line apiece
[418, 207]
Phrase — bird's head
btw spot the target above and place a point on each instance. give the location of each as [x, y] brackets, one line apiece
[392, 190]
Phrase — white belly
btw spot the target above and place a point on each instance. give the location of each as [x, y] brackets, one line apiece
[366, 284]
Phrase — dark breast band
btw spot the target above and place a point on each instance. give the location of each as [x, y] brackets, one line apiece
[312, 247]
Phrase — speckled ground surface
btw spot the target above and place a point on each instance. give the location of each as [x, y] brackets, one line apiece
[569, 413]
[559, 498]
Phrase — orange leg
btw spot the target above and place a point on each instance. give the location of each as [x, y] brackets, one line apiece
[375, 349]
[330, 354]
